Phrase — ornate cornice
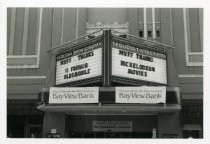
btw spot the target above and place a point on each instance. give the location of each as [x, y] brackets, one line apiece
[100, 25]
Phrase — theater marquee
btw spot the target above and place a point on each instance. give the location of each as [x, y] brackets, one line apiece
[138, 63]
[79, 64]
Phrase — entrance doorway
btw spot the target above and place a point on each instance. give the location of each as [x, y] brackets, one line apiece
[110, 126]
[110, 135]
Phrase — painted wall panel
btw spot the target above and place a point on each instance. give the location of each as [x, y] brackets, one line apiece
[191, 88]
[165, 25]
[185, 80]
[82, 20]
[179, 52]
[194, 30]
[22, 96]
[18, 31]
[24, 89]
[140, 14]
[149, 14]
[32, 31]
[57, 26]
[25, 81]
[157, 15]
[132, 19]
[109, 15]
[69, 29]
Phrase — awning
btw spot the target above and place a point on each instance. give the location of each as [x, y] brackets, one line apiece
[110, 109]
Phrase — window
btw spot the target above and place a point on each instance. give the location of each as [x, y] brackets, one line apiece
[141, 34]
[158, 33]
[193, 31]
[149, 23]
[24, 36]
[149, 34]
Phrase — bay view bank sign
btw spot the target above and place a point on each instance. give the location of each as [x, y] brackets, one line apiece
[143, 94]
[83, 63]
[68, 95]
[138, 63]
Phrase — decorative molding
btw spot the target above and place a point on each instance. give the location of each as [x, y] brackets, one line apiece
[39, 35]
[23, 66]
[190, 75]
[100, 25]
[22, 56]
[26, 77]
[149, 25]
[122, 28]
[195, 53]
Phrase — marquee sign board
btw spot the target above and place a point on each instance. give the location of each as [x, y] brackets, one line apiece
[144, 94]
[79, 64]
[138, 63]
[68, 95]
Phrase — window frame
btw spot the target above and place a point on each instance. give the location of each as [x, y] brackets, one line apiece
[25, 61]
[188, 53]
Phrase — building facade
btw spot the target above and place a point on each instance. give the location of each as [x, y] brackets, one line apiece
[36, 37]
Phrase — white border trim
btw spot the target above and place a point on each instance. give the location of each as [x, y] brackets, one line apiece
[22, 66]
[39, 35]
[185, 35]
[195, 64]
[195, 53]
[22, 56]
[26, 77]
[190, 75]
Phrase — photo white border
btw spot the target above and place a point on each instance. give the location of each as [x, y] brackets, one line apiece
[103, 3]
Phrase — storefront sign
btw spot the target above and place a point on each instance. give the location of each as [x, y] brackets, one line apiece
[142, 94]
[73, 95]
[112, 126]
[140, 64]
[79, 64]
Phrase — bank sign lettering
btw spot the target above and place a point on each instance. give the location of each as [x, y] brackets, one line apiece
[137, 63]
[144, 94]
[67, 95]
[79, 64]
